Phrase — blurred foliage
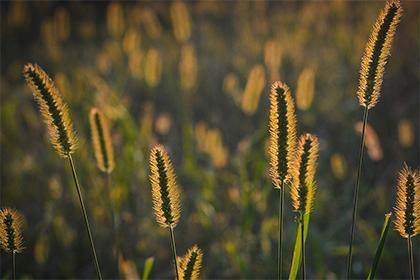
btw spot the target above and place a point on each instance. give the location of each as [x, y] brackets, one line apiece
[195, 77]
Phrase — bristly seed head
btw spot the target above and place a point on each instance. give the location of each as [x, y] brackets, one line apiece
[376, 54]
[303, 187]
[165, 193]
[282, 128]
[11, 230]
[101, 140]
[190, 264]
[53, 109]
[407, 204]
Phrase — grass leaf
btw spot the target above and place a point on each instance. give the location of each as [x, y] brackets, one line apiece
[148, 265]
[297, 258]
[380, 247]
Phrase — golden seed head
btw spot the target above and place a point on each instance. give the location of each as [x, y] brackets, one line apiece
[11, 223]
[181, 21]
[101, 141]
[54, 111]
[190, 264]
[304, 187]
[407, 204]
[377, 52]
[282, 128]
[165, 192]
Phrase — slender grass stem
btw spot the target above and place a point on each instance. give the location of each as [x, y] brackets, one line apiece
[355, 195]
[280, 234]
[171, 230]
[14, 264]
[410, 257]
[116, 248]
[302, 240]
[82, 204]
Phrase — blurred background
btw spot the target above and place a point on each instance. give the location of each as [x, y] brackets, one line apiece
[195, 76]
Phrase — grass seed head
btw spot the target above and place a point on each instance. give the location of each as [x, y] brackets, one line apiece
[165, 192]
[407, 204]
[377, 52]
[190, 264]
[282, 128]
[101, 140]
[11, 223]
[303, 187]
[54, 111]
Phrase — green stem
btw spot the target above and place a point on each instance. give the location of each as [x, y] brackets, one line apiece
[171, 230]
[116, 249]
[355, 195]
[302, 240]
[410, 257]
[14, 264]
[280, 234]
[82, 204]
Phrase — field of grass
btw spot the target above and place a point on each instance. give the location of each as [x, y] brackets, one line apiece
[197, 78]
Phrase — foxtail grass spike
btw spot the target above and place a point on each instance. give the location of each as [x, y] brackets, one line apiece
[407, 209]
[282, 128]
[11, 230]
[190, 264]
[101, 141]
[165, 191]
[407, 205]
[303, 186]
[54, 111]
[11, 234]
[377, 52]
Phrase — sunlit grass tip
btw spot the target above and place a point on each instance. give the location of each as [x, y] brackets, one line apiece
[54, 111]
[282, 128]
[377, 52]
[11, 222]
[303, 186]
[165, 192]
[101, 140]
[407, 205]
[190, 264]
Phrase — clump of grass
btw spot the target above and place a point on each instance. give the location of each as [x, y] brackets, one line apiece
[303, 187]
[190, 264]
[60, 128]
[407, 209]
[11, 240]
[282, 128]
[165, 194]
[371, 75]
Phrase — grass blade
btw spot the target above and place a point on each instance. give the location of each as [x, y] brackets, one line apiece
[380, 247]
[148, 265]
[297, 257]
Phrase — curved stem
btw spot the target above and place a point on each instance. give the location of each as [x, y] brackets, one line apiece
[410, 257]
[14, 264]
[302, 224]
[355, 195]
[82, 204]
[280, 234]
[171, 230]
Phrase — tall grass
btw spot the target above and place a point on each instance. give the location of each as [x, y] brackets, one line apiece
[57, 118]
[11, 240]
[282, 128]
[165, 194]
[407, 209]
[372, 70]
[190, 264]
[303, 187]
